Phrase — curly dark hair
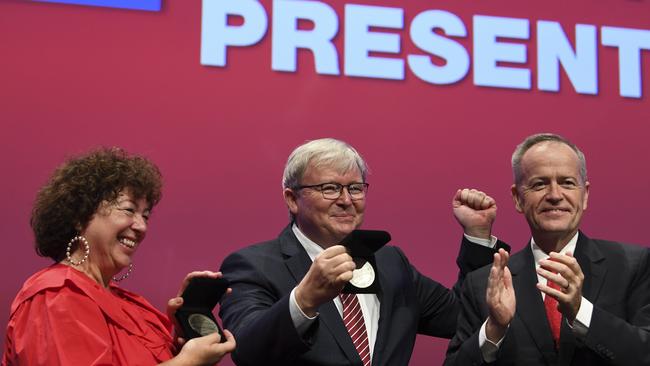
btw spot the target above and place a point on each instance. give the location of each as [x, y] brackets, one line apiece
[77, 188]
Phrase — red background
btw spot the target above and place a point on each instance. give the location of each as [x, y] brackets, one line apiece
[74, 77]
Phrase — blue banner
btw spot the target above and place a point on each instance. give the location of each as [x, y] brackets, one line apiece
[151, 5]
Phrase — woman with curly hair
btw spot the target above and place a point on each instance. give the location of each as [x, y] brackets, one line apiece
[90, 218]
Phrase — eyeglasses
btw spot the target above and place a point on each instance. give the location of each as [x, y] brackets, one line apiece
[332, 191]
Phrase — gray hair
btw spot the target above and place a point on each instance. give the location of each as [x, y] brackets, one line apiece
[326, 152]
[533, 140]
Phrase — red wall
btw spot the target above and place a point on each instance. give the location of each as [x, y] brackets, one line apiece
[74, 77]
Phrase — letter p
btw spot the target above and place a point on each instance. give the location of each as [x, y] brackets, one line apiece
[217, 35]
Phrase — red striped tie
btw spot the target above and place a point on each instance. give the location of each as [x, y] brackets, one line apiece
[353, 319]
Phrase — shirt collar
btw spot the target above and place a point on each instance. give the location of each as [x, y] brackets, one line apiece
[539, 254]
[313, 249]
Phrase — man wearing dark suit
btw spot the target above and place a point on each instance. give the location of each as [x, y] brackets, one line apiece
[285, 307]
[565, 299]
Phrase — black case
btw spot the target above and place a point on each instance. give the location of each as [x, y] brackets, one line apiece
[362, 245]
[200, 297]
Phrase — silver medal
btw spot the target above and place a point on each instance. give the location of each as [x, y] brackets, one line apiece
[364, 276]
[202, 324]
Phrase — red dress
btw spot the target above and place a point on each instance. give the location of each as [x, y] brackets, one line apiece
[63, 317]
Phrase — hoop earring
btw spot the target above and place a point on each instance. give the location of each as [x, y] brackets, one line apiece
[69, 247]
[124, 276]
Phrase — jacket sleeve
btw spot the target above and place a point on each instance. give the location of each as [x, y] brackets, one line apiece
[258, 315]
[464, 348]
[631, 343]
[440, 306]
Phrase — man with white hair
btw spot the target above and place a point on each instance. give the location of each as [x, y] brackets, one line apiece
[565, 299]
[286, 307]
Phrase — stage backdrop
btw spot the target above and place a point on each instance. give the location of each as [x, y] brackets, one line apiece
[435, 95]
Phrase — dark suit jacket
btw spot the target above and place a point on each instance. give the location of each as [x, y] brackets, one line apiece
[257, 312]
[617, 283]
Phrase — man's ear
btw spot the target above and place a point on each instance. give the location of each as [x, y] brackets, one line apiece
[291, 198]
[515, 198]
[586, 197]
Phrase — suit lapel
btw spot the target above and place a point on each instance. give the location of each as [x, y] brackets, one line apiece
[592, 264]
[530, 306]
[298, 263]
[297, 260]
[386, 297]
[329, 316]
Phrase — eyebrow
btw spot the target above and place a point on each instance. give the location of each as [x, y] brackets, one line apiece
[547, 179]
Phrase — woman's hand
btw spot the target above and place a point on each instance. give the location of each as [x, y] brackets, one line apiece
[188, 278]
[207, 350]
[204, 350]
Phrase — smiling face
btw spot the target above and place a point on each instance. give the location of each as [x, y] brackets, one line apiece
[551, 193]
[114, 232]
[325, 221]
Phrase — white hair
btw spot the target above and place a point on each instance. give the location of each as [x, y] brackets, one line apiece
[326, 152]
[533, 140]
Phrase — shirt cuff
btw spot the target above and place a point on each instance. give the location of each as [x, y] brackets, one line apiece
[480, 241]
[581, 324]
[300, 320]
[488, 348]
